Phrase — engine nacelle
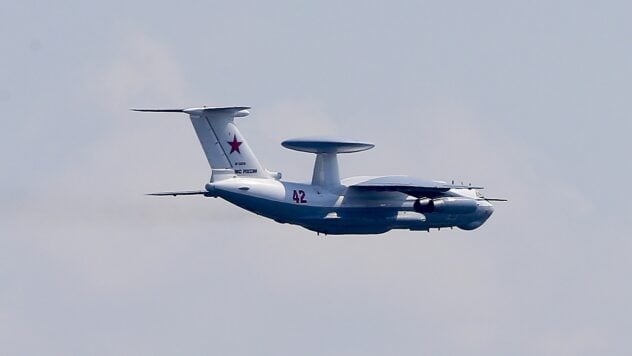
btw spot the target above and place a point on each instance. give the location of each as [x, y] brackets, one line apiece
[448, 205]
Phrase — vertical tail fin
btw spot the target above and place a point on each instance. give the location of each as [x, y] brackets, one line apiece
[225, 148]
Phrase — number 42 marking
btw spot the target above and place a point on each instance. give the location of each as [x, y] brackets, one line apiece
[299, 196]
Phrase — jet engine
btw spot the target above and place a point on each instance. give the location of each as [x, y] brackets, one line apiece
[445, 205]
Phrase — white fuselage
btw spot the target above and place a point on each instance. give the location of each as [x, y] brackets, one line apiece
[341, 210]
[358, 205]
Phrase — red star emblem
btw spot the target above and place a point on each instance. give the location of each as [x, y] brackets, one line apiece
[234, 145]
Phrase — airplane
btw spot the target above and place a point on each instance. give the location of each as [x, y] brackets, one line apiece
[328, 205]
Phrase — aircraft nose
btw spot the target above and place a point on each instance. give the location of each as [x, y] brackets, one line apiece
[488, 211]
[482, 213]
[485, 210]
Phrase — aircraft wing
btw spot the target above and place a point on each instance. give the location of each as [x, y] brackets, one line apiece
[408, 185]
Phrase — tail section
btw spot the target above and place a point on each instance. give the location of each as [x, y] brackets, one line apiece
[225, 148]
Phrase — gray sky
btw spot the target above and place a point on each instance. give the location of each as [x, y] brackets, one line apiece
[530, 100]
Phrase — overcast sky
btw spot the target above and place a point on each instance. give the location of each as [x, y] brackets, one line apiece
[530, 100]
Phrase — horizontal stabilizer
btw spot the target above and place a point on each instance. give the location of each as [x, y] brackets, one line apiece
[158, 110]
[230, 111]
[186, 192]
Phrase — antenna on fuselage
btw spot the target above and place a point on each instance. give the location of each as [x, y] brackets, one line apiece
[326, 171]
